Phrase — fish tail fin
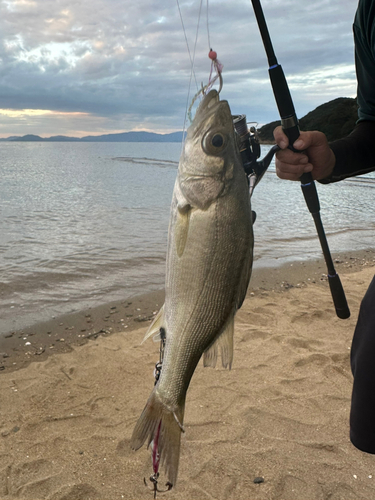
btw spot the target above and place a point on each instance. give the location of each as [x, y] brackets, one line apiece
[161, 427]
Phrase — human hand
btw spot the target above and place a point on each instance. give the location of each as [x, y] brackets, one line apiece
[316, 156]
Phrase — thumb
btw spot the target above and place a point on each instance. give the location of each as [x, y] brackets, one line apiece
[280, 138]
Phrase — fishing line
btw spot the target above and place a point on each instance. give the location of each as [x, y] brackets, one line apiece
[192, 61]
[215, 64]
[208, 26]
[186, 40]
[191, 73]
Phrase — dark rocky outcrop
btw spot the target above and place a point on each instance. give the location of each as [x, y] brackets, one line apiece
[335, 118]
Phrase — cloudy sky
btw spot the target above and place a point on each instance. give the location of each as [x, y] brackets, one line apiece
[79, 67]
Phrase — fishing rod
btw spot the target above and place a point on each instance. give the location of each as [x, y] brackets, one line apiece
[289, 123]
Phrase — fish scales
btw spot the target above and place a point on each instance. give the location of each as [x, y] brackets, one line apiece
[208, 267]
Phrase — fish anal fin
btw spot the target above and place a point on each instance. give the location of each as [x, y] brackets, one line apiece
[210, 355]
[155, 326]
[225, 343]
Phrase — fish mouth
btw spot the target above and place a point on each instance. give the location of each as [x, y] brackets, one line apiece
[210, 99]
[208, 104]
[210, 107]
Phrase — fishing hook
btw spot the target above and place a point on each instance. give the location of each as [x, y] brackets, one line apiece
[154, 480]
[159, 364]
[203, 90]
[221, 83]
[155, 457]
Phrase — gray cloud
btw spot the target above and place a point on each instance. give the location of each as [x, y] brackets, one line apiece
[124, 65]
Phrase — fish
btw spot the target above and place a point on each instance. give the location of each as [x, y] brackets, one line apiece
[208, 269]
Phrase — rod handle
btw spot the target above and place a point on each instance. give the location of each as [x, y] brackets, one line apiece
[338, 296]
[310, 194]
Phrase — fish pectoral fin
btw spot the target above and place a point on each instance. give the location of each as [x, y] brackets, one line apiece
[155, 327]
[225, 342]
[182, 228]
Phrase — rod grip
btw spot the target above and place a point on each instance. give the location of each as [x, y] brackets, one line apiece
[338, 296]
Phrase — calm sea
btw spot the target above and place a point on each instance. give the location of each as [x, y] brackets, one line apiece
[86, 223]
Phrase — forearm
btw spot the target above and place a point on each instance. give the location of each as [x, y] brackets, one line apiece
[355, 154]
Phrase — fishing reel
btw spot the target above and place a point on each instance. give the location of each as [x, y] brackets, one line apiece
[250, 151]
[249, 143]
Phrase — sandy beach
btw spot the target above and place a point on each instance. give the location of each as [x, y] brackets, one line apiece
[72, 389]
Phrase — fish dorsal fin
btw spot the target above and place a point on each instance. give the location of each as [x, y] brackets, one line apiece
[182, 228]
[225, 342]
[155, 326]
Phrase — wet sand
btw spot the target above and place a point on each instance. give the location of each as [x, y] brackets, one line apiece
[18, 348]
[72, 389]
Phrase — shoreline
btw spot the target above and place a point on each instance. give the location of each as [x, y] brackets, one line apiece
[19, 348]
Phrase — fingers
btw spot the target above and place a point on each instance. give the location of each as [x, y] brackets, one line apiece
[291, 165]
[305, 140]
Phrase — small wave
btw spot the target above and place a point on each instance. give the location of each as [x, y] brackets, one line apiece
[362, 182]
[154, 162]
[272, 241]
[76, 270]
[348, 230]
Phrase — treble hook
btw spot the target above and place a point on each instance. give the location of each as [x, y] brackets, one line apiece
[154, 481]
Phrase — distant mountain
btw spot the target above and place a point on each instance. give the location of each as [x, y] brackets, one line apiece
[28, 138]
[59, 138]
[335, 118]
[135, 137]
[11, 138]
[123, 137]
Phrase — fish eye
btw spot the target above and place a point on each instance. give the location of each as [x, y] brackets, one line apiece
[214, 143]
[217, 141]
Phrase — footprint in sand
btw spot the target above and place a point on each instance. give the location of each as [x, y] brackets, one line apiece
[313, 359]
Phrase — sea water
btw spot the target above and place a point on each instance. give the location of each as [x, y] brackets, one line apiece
[86, 223]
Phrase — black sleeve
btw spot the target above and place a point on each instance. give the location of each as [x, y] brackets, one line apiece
[355, 154]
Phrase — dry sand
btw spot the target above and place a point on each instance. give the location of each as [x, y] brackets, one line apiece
[281, 413]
